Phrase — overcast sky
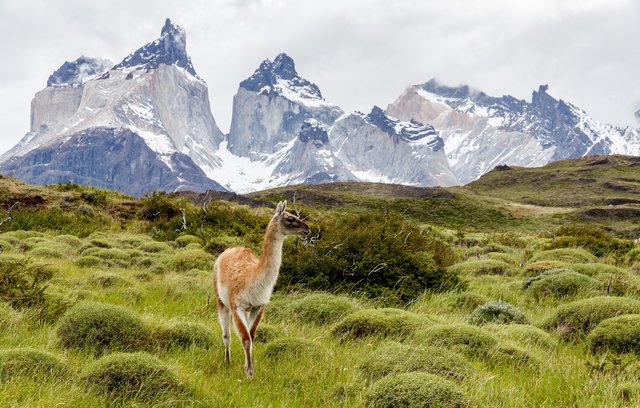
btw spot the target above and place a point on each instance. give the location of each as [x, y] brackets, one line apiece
[359, 53]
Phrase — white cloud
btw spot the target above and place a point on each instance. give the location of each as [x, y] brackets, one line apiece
[359, 52]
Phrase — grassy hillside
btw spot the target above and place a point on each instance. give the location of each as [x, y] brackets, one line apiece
[484, 295]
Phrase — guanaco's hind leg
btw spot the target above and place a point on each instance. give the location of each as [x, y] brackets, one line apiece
[254, 320]
[242, 330]
[224, 316]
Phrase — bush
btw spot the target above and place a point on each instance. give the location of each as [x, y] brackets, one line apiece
[497, 312]
[266, 332]
[523, 334]
[566, 284]
[131, 376]
[100, 328]
[322, 308]
[415, 390]
[469, 340]
[30, 363]
[595, 239]
[619, 334]
[571, 320]
[378, 322]
[22, 283]
[468, 300]
[182, 335]
[285, 347]
[375, 254]
[187, 259]
[482, 267]
[396, 358]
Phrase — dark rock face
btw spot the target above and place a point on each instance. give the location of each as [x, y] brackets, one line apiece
[112, 158]
[75, 73]
[313, 131]
[408, 131]
[169, 49]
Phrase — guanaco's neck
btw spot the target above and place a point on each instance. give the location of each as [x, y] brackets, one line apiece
[271, 256]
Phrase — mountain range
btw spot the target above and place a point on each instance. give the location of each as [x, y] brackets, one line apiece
[145, 124]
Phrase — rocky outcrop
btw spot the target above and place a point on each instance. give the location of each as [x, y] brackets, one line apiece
[378, 148]
[117, 159]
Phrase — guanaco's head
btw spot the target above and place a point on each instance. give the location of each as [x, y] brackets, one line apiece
[289, 223]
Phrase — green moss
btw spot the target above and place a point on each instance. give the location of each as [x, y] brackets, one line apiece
[100, 328]
[132, 376]
[568, 255]
[467, 339]
[415, 390]
[482, 267]
[30, 363]
[286, 347]
[573, 319]
[619, 334]
[322, 308]
[497, 312]
[563, 285]
[378, 322]
[396, 358]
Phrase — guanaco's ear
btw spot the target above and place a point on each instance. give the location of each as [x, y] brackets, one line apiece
[280, 208]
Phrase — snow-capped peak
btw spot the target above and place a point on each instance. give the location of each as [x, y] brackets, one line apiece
[169, 49]
[279, 78]
[410, 131]
[76, 73]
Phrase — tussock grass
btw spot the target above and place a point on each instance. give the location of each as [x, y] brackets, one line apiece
[619, 334]
[497, 312]
[571, 320]
[99, 328]
[568, 255]
[415, 390]
[322, 308]
[523, 334]
[187, 259]
[31, 363]
[463, 338]
[181, 335]
[468, 301]
[482, 267]
[565, 284]
[288, 347]
[396, 358]
[378, 322]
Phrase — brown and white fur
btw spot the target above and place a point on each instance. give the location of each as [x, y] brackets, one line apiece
[244, 283]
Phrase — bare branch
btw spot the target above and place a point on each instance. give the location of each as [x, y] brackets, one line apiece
[377, 268]
[9, 216]
[184, 220]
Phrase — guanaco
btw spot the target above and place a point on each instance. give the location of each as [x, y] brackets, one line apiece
[244, 283]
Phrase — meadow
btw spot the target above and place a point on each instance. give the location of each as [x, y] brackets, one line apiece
[400, 297]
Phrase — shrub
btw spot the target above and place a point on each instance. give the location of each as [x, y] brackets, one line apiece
[468, 300]
[100, 328]
[396, 358]
[31, 363]
[469, 340]
[182, 335]
[285, 347]
[563, 285]
[523, 334]
[595, 239]
[413, 390]
[322, 308]
[482, 267]
[619, 334]
[570, 320]
[538, 268]
[267, 332]
[131, 376]
[187, 259]
[568, 255]
[497, 312]
[22, 283]
[381, 322]
[377, 254]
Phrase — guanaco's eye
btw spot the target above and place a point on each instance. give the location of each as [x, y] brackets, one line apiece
[290, 220]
